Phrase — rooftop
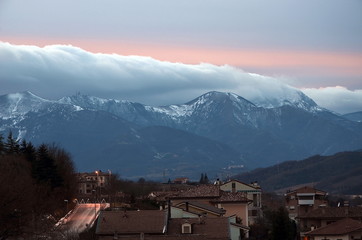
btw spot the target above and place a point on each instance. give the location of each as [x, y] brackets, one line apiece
[211, 228]
[131, 222]
[200, 191]
[207, 207]
[227, 197]
[341, 227]
[307, 189]
[334, 212]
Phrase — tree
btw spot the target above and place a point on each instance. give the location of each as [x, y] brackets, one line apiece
[2, 146]
[17, 194]
[282, 227]
[202, 178]
[11, 145]
[45, 169]
[206, 179]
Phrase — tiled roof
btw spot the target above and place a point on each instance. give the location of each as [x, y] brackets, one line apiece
[162, 196]
[334, 212]
[231, 197]
[235, 180]
[341, 227]
[131, 222]
[160, 237]
[201, 191]
[307, 189]
[210, 228]
[207, 207]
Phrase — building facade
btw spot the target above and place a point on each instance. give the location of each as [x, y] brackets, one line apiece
[251, 191]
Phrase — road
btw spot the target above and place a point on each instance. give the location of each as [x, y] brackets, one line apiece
[82, 217]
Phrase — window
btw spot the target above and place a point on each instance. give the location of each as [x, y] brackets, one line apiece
[255, 200]
[186, 228]
[233, 186]
[291, 207]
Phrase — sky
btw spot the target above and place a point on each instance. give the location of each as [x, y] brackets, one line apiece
[167, 52]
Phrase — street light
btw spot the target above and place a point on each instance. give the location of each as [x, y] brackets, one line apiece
[67, 205]
[95, 206]
[98, 183]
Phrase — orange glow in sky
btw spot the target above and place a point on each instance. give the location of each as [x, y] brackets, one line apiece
[303, 62]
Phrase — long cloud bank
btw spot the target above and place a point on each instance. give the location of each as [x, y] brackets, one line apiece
[58, 70]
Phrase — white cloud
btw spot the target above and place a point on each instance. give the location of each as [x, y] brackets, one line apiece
[339, 99]
[58, 70]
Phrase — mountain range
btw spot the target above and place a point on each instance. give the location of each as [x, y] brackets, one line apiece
[218, 133]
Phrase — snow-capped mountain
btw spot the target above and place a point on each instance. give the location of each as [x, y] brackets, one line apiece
[18, 104]
[206, 134]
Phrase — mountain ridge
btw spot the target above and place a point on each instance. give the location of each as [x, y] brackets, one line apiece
[254, 136]
[338, 173]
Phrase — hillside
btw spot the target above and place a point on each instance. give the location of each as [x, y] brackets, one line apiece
[356, 116]
[339, 173]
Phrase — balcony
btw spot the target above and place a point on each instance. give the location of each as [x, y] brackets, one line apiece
[306, 202]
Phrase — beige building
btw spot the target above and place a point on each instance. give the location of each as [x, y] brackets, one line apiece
[251, 191]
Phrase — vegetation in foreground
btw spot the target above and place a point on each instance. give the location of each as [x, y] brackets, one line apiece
[36, 185]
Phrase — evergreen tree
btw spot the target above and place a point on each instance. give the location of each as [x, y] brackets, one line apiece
[282, 227]
[11, 145]
[29, 152]
[2, 146]
[206, 179]
[202, 179]
[44, 168]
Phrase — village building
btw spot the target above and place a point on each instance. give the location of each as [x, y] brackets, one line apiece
[344, 229]
[160, 224]
[303, 200]
[91, 185]
[252, 192]
[324, 216]
[181, 180]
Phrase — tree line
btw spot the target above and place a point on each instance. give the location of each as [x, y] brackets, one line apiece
[35, 181]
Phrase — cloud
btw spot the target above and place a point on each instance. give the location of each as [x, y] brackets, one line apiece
[339, 99]
[60, 70]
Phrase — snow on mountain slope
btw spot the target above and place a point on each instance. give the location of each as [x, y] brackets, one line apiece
[18, 104]
[292, 97]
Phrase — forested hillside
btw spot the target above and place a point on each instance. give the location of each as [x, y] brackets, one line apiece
[339, 173]
[35, 182]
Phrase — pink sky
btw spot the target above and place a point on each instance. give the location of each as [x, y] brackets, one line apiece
[289, 63]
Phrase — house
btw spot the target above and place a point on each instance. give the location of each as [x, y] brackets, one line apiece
[251, 191]
[92, 184]
[344, 229]
[303, 200]
[200, 208]
[324, 216]
[233, 204]
[156, 224]
[206, 199]
[182, 180]
[131, 223]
